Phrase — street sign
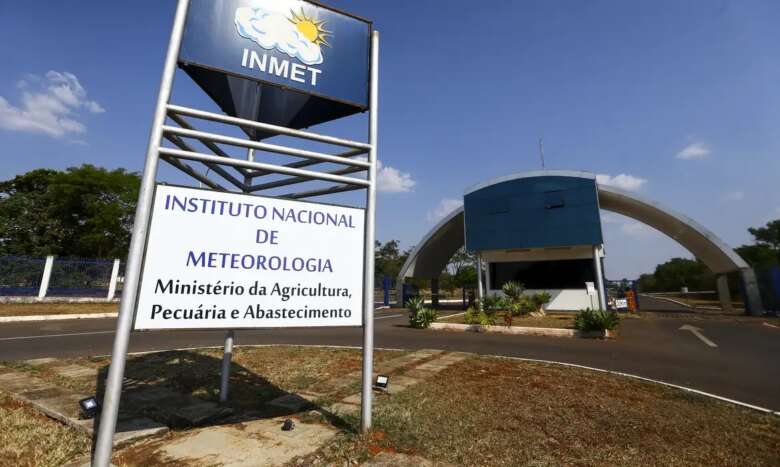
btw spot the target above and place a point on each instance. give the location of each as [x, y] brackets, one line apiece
[591, 288]
[227, 260]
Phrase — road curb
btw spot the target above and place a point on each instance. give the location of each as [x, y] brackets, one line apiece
[20, 319]
[520, 330]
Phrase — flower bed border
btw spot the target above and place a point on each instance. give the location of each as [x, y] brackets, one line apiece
[519, 330]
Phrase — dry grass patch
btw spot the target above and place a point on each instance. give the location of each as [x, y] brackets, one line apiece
[30, 439]
[491, 411]
[32, 309]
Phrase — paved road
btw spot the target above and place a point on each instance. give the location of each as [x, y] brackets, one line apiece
[744, 366]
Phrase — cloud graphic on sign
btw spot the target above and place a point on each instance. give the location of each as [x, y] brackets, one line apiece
[285, 30]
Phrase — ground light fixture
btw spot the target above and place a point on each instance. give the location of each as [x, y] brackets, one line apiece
[382, 382]
[89, 407]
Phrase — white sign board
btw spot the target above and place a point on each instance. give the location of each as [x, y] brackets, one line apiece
[591, 288]
[621, 303]
[226, 260]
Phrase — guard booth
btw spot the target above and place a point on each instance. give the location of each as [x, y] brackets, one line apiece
[264, 209]
[543, 232]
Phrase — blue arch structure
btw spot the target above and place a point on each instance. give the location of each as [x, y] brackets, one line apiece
[433, 252]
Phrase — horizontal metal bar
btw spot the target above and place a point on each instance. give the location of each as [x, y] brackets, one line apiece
[309, 162]
[265, 146]
[294, 180]
[196, 156]
[182, 122]
[281, 130]
[216, 168]
[186, 168]
[322, 192]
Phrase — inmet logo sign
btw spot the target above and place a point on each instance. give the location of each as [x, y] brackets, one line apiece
[290, 43]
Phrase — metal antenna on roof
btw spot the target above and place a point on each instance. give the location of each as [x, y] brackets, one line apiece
[541, 151]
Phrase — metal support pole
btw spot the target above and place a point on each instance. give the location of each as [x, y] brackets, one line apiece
[113, 393]
[368, 244]
[479, 280]
[724, 295]
[227, 354]
[46, 277]
[224, 384]
[487, 279]
[599, 277]
[435, 292]
[114, 277]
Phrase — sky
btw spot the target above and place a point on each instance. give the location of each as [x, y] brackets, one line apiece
[677, 101]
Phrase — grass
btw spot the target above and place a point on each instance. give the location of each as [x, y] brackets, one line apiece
[28, 438]
[258, 374]
[481, 411]
[30, 309]
[552, 320]
[492, 411]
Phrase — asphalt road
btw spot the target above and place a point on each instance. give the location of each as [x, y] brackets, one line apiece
[744, 366]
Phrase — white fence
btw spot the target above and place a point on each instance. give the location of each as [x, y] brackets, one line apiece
[26, 279]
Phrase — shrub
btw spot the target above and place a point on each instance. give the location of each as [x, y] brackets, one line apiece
[486, 319]
[420, 316]
[471, 316]
[491, 304]
[513, 290]
[538, 300]
[596, 320]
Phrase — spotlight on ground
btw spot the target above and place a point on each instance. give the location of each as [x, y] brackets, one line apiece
[382, 382]
[89, 407]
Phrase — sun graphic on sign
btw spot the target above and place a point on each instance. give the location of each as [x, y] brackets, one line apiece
[310, 28]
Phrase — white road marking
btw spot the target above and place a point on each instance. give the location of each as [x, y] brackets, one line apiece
[44, 336]
[697, 332]
[771, 325]
[388, 316]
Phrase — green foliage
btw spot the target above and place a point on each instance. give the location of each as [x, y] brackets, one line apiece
[461, 268]
[473, 316]
[83, 211]
[420, 316]
[486, 319]
[676, 273]
[539, 299]
[596, 320]
[492, 304]
[388, 259]
[513, 291]
[768, 235]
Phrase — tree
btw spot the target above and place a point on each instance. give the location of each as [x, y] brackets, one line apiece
[82, 212]
[765, 251]
[677, 273]
[388, 259]
[461, 268]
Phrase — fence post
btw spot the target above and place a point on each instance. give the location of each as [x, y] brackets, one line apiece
[46, 276]
[114, 277]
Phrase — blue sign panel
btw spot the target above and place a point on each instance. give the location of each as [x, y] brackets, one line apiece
[534, 212]
[289, 43]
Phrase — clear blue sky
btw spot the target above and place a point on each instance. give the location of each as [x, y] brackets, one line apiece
[680, 97]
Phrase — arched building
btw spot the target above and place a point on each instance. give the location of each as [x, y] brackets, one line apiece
[543, 228]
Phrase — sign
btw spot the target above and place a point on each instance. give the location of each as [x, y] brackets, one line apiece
[621, 303]
[290, 43]
[226, 260]
[591, 288]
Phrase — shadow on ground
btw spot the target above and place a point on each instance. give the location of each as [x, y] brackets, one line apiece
[180, 390]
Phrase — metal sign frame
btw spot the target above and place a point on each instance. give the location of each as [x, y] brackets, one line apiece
[219, 162]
